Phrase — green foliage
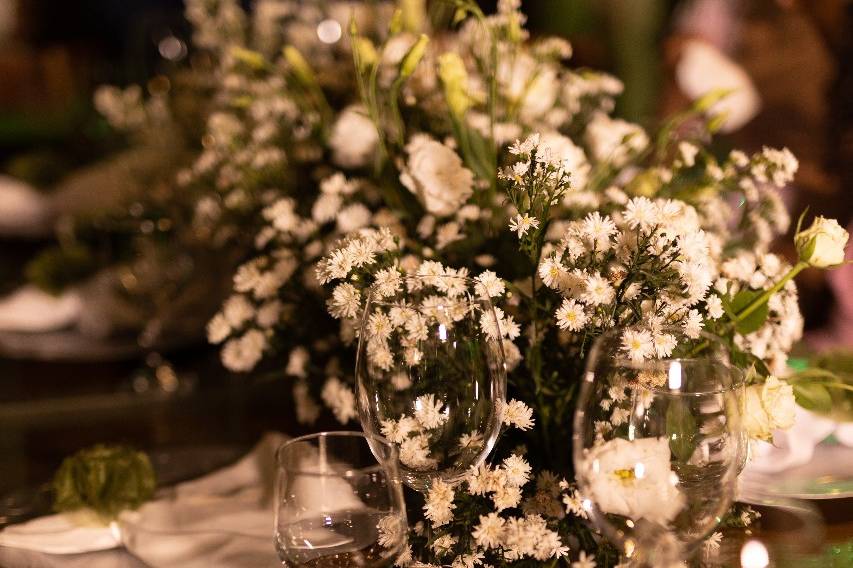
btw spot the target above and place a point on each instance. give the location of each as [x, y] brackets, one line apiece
[106, 479]
[57, 268]
[735, 305]
[812, 396]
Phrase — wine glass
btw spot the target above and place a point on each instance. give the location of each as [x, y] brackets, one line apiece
[339, 502]
[658, 442]
[430, 375]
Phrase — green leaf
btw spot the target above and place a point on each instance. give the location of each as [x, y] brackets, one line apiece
[812, 396]
[733, 306]
[681, 429]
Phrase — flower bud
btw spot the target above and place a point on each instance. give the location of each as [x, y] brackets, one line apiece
[366, 53]
[410, 61]
[249, 58]
[454, 78]
[300, 68]
[822, 245]
[396, 24]
[413, 15]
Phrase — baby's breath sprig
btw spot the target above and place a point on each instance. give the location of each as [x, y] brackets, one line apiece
[535, 184]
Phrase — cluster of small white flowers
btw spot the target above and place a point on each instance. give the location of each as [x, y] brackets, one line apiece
[503, 482]
[439, 503]
[516, 413]
[602, 265]
[340, 398]
[359, 251]
[123, 108]
[242, 353]
[519, 537]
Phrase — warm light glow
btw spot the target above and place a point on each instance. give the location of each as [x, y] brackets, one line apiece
[675, 375]
[329, 31]
[442, 332]
[639, 470]
[172, 48]
[754, 555]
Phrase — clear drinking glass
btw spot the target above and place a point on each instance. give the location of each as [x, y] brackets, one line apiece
[339, 502]
[430, 375]
[658, 444]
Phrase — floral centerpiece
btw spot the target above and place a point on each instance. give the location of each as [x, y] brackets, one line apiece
[373, 142]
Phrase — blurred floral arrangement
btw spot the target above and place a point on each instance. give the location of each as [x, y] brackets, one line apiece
[348, 146]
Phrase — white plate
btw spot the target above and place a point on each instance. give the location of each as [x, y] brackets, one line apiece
[829, 475]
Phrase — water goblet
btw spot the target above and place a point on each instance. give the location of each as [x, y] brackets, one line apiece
[658, 443]
[430, 375]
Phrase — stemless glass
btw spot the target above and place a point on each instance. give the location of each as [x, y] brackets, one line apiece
[658, 443]
[430, 375]
[339, 502]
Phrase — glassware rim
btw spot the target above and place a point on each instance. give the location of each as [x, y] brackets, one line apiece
[467, 279]
[738, 375]
[380, 463]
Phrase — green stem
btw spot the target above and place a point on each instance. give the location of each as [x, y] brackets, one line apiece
[756, 303]
[763, 298]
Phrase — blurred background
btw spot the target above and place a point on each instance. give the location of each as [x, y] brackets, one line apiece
[61, 389]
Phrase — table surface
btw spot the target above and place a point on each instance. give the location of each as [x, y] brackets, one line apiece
[49, 410]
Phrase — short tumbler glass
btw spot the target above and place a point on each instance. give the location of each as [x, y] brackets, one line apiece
[337, 504]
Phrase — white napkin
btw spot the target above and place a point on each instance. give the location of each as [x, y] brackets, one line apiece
[224, 519]
[796, 446]
[23, 210]
[29, 309]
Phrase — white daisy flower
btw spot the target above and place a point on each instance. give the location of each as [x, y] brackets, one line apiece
[570, 315]
[597, 290]
[345, 301]
[638, 345]
[489, 285]
[522, 223]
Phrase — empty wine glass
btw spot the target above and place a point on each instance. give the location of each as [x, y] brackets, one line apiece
[657, 442]
[430, 375]
[339, 502]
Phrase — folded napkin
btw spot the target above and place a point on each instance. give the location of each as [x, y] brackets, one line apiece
[31, 310]
[24, 211]
[796, 446]
[224, 519]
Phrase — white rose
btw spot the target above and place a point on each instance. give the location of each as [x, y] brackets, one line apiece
[558, 148]
[436, 175]
[353, 138]
[768, 407]
[823, 243]
[533, 85]
[614, 140]
[633, 478]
